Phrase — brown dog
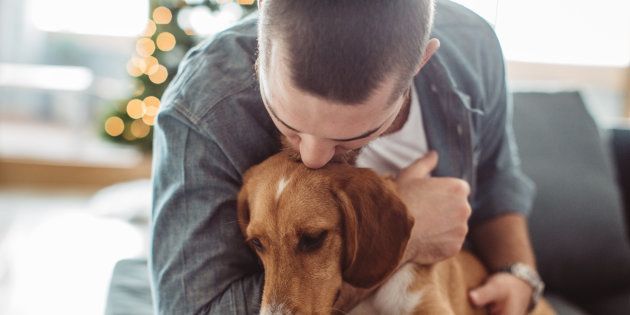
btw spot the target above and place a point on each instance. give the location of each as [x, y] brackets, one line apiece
[313, 229]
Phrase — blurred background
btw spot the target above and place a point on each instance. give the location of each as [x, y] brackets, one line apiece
[80, 85]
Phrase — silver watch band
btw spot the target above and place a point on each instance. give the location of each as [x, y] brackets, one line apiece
[530, 276]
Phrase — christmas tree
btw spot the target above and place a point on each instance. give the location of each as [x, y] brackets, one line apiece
[173, 28]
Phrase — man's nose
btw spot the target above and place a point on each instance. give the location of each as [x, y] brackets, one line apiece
[315, 153]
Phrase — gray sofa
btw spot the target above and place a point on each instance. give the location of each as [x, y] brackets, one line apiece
[578, 225]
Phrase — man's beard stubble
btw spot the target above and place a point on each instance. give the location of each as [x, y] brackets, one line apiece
[349, 157]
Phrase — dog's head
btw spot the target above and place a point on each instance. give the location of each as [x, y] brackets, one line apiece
[313, 229]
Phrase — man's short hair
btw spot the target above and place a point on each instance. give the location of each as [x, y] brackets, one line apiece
[342, 50]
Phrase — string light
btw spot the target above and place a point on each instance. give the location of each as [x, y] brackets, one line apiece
[162, 15]
[150, 29]
[132, 69]
[151, 111]
[114, 126]
[153, 104]
[149, 120]
[152, 101]
[139, 129]
[145, 47]
[127, 135]
[160, 75]
[144, 111]
[165, 41]
[136, 108]
[151, 64]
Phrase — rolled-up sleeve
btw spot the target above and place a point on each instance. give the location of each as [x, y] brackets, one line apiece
[502, 187]
[198, 261]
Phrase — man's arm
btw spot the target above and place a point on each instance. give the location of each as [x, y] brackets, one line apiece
[504, 195]
[503, 240]
[198, 261]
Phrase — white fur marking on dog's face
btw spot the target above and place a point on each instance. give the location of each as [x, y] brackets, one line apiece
[282, 184]
[394, 296]
[274, 309]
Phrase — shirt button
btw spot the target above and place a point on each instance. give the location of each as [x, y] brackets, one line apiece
[459, 129]
[434, 88]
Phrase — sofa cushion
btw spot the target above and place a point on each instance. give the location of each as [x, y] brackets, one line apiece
[577, 226]
[129, 290]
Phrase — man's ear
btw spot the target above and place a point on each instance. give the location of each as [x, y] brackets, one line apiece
[429, 50]
[376, 226]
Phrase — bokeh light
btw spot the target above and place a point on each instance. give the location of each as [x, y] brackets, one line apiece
[162, 15]
[150, 29]
[145, 47]
[136, 108]
[127, 135]
[160, 75]
[149, 120]
[114, 126]
[150, 64]
[139, 129]
[133, 69]
[152, 105]
[152, 101]
[151, 111]
[165, 41]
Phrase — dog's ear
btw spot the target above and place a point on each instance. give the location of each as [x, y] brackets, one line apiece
[242, 205]
[376, 226]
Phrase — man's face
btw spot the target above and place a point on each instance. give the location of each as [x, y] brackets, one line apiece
[317, 128]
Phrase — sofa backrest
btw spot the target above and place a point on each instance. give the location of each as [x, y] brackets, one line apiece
[577, 225]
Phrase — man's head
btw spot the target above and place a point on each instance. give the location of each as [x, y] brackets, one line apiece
[334, 73]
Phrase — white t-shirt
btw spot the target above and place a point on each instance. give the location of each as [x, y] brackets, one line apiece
[390, 153]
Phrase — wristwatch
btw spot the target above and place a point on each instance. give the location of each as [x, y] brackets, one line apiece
[529, 275]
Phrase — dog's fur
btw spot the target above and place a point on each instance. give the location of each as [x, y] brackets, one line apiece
[313, 229]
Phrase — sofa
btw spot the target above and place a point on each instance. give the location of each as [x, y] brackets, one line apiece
[579, 225]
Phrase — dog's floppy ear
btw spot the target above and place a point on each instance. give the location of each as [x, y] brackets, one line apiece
[242, 204]
[376, 226]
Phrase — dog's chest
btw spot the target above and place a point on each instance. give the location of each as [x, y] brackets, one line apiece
[393, 297]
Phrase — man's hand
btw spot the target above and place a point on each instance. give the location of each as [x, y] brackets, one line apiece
[503, 294]
[440, 209]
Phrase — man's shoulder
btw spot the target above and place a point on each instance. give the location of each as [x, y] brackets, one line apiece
[469, 50]
[214, 70]
[462, 30]
[449, 14]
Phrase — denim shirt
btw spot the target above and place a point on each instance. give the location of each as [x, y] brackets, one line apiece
[212, 127]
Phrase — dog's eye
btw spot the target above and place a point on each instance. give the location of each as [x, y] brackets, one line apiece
[255, 242]
[309, 243]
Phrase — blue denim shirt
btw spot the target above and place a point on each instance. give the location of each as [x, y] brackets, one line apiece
[212, 127]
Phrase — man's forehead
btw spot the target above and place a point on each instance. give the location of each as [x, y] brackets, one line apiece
[273, 71]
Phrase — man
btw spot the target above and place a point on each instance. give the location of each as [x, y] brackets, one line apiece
[332, 77]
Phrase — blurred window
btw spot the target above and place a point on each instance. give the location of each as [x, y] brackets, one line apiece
[96, 17]
[576, 32]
